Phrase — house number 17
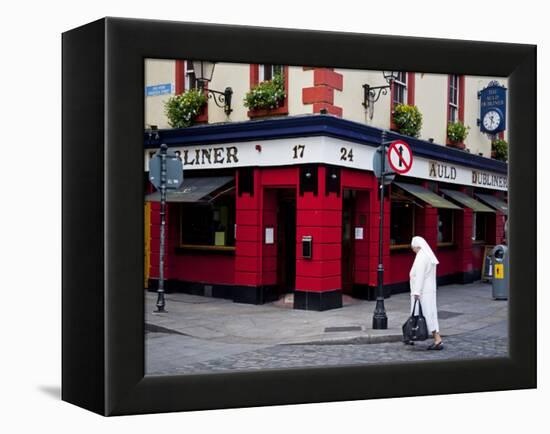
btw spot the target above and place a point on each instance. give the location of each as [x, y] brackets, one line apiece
[298, 151]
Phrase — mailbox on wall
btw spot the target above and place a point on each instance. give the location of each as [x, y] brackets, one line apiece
[307, 246]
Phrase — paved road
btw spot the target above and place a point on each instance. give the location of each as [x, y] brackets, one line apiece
[164, 354]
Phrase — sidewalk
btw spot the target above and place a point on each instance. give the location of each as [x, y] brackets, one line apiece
[462, 308]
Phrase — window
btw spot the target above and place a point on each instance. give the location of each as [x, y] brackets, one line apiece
[209, 224]
[445, 226]
[267, 71]
[190, 79]
[402, 223]
[479, 226]
[453, 98]
[185, 80]
[399, 94]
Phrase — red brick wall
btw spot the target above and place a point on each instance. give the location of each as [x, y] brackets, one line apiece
[321, 95]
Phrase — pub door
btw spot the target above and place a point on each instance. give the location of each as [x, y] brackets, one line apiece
[348, 253]
[286, 246]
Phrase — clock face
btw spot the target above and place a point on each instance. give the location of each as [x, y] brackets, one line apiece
[491, 120]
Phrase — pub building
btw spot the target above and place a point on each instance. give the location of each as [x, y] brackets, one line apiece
[290, 204]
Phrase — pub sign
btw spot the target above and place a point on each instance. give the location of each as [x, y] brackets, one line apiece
[492, 116]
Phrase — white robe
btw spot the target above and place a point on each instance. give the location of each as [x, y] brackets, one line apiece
[423, 283]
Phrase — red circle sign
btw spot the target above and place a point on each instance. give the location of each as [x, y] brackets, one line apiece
[400, 157]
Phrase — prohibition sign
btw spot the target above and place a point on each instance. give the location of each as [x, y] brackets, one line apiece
[400, 156]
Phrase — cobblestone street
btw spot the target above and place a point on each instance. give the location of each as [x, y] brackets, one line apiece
[204, 334]
[488, 342]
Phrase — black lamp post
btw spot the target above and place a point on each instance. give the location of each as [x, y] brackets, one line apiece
[204, 70]
[371, 94]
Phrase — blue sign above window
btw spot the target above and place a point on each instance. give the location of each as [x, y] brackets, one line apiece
[159, 89]
[492, 108]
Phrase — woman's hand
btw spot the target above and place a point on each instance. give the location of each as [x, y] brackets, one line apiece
[416, 296]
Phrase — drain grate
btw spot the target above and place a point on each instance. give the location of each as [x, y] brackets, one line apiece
[343, 329]
[445, 314]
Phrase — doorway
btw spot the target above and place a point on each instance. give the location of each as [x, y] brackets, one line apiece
[348, 245]
[286, 246]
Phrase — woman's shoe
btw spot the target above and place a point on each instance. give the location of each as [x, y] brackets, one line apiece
[407, 342]
[437, 347]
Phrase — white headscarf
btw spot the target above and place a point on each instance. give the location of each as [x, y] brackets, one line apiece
[425, 248]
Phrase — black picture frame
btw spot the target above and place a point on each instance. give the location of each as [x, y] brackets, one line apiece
[102, 190]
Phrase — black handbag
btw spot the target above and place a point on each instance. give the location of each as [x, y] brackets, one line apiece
[415, 328]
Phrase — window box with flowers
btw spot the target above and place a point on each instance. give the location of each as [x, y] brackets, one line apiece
[456, 134]
[499, 149]
[267, 98]
[183, 110]
[407, 119]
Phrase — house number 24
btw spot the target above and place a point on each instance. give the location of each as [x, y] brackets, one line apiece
[346, 154]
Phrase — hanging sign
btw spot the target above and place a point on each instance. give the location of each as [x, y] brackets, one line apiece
[492, 108]
[400, 157]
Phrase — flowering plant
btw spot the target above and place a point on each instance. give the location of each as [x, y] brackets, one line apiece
[266, 95]
[181, 110]
[457, 132]
[499, 149]
[407, 119]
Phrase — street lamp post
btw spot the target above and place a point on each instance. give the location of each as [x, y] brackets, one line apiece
[380, 319]
[161, 302]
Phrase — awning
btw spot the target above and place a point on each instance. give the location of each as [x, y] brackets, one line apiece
[427, 196]
[193, 189]
[494, 202]
[466, 200]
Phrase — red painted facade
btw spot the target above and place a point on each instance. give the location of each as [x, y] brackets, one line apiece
[253, 263]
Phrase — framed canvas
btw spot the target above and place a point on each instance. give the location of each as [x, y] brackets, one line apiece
[104, 348]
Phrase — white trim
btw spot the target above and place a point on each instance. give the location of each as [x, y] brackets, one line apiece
[327, 150]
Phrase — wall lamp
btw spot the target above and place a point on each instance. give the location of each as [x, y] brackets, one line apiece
[371, 94]
[203, 74]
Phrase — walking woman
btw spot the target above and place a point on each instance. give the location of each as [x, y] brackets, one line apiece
[423, 287]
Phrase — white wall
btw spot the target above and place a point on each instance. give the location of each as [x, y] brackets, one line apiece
[237, 77]
[158, 71]
[430, 98]
[298, 79]
[351, 97]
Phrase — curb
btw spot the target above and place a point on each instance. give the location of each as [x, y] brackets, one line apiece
[360, 340]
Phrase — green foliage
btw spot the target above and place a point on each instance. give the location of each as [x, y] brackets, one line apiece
[408, 119]
[266, 95]
[181, 110]
[500, 148]
[457, 132]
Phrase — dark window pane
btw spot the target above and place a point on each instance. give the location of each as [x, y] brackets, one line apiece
[445, 226]
[209, 224]
[268, 72]
[480, 219]
[402, 222]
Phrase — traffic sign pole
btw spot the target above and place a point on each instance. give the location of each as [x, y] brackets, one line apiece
[380, 319]
[161, 302]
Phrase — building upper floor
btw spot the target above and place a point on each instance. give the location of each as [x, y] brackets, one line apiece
[441, 100]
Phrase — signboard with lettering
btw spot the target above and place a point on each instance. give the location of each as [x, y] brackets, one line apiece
[325, 150]
[159, 89]
[492, 108]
